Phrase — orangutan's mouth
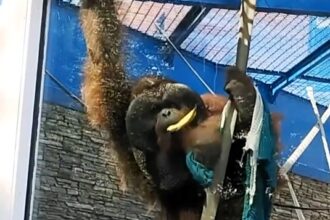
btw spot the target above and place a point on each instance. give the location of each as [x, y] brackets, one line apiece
[185, 120]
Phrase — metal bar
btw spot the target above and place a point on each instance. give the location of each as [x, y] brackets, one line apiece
[265, 72]
[188, 24]
[294, 198]
[304, 144]
[303, 66]
[316, 79]
[310, 94]
[315, 7]
[163, 19]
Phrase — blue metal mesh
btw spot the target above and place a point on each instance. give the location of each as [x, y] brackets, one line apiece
[321, 71]
[265, 78]
[279, 41]
[215, 38]
[318, 78]
[321, 90]
[143, 16]
[292, 42]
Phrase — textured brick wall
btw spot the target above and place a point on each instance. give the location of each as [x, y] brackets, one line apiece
[76, 179]
[310, 193]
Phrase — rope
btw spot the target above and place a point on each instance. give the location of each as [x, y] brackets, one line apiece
[185, 60]
[300, 214]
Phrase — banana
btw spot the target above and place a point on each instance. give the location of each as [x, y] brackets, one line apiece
[183, 121]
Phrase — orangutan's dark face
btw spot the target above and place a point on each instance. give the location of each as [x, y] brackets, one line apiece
[156, 105]
[153, 124]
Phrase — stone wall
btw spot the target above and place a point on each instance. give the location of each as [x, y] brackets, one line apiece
[310, 193]
[76, 178]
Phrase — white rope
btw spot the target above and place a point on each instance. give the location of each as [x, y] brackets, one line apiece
[304, 144]
[294, 198]
[185, 60]
[310, 94]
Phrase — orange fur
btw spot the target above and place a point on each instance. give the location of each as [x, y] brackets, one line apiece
[106, 91]
[216, 103]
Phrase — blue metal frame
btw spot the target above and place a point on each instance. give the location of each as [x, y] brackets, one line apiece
[316, 57]
[316, 79]
[188, 24]
[251, 70]
[306, 7]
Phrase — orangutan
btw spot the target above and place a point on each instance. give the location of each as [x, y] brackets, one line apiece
[140, 117]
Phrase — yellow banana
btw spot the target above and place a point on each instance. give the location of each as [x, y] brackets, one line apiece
[183, 121]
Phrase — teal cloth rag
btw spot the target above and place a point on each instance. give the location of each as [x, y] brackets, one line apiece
[200, 173]
[266, 179]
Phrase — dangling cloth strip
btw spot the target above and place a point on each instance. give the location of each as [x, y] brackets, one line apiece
[260, 167]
